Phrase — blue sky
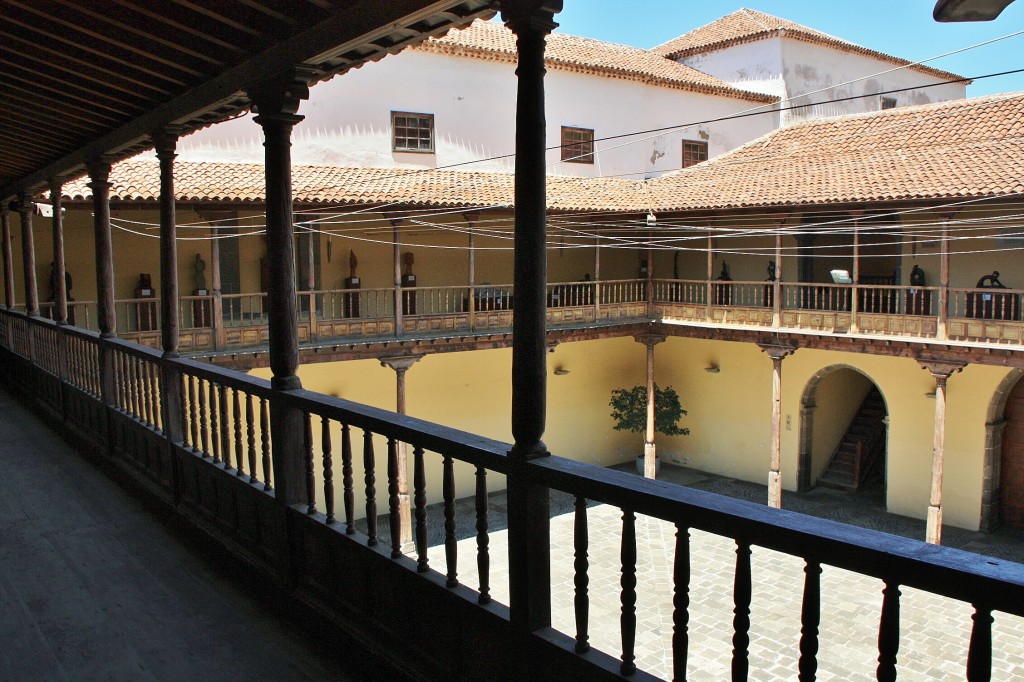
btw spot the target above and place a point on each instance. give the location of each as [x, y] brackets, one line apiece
[903, 28]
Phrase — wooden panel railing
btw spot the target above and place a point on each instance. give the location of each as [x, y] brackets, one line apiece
[224, 439]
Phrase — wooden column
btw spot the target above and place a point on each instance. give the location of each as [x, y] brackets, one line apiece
[276, 105]
[164, 143]
[26, 207]
[597, 279]
[8, 258]
[216, 296]
[941, 371]
[943, 331]
[397, 258]
[777, 284]
[855, 302]
[60, 289]
[471, 217]
[99, 183]
[528, 506]
[777, 353]
[650, 455]
[649, 284]
[401, 365]
[710, 276]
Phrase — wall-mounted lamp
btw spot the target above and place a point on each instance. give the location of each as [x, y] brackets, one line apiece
[561, 371]
[713, 369]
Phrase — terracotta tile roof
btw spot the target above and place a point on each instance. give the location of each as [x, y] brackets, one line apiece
[950, 150]
[491, 40]
[747, 25]
[138, 180]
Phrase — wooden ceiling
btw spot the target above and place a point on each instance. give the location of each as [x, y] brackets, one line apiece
[85, 78]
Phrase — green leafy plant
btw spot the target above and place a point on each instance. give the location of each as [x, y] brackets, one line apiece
[629, 410]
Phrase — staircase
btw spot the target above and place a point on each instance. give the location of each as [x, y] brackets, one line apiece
[861, 447]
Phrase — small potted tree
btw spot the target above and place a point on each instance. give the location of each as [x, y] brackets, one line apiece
[629, 410]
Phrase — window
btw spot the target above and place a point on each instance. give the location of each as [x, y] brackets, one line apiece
[412, 132]
[577, 145]
[888, 102]
[694, 152]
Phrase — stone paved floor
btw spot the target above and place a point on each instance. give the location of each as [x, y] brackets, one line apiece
[934, 631]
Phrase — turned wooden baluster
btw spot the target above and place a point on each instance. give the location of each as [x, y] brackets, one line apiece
[581, 566]
[810, 618]
[136, 381]
[154, 373]
[371, 492]
[121, 384]
[394, 516]
[450, 543]
[889, 633]
[348, 492]
[419, 485]
[265, 444]
[149, 393]
[239, 447]
[307, 442]
[214, 431]
[483, 556]
[627, 619]
[250, 435]
[681, 603]
[224, 434]
[203, 433]
[190, 428]
[325, 437]
[979, 656]
[741, 612]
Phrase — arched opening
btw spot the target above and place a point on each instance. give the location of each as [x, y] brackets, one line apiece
[1003, 497]
[843, 433]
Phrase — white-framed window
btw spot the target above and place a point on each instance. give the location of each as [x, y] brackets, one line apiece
[694, 151]
[412, 132]
[577, 145]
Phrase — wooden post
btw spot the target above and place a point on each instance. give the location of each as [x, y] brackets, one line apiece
[941, 370]
[597, 279]
[216, 297]
[710, 276]
[528, 505]
[397, 262]
[650, 455]
[26, 207]
[99, 183]
[942, 331]
[164, 143]
[401, 365]
[777, 284]
[777, 353]
[8, 258]
[471, 217]
[276, 105]
[855, 303]
[649, 284]
[60, 290]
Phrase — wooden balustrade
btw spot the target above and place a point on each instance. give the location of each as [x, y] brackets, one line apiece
[225, 429]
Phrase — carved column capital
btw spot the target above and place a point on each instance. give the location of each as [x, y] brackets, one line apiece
[278, 99]
[534, 15]
[400, 364]
[26, 203]
[941, 369]
[649, 340]
[98, 169]
[777, 351]
[165, 142]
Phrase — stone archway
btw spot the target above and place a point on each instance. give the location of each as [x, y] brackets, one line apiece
[839, 389]
[1003, 468]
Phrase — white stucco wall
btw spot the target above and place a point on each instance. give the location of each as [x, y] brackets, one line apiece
[347, 119]
[791, 68]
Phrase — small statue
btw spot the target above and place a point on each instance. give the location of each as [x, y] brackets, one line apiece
[917, 276]
[200, 273]
[990, 282]
[771, 271]
[352, 263]
[408, 259]
[723, 276]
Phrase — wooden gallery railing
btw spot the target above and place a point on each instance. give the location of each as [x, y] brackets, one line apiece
[200, 438]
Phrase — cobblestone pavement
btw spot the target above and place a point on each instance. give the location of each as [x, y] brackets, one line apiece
[934, 631]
